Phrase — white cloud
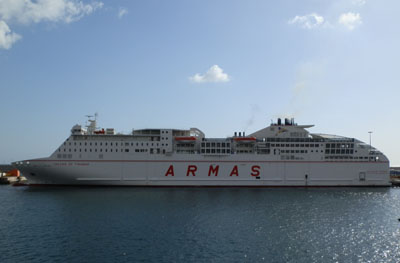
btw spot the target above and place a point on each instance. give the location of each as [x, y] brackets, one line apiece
[122, 11]
[7, 38]
[213, 74]
[30, 11]
[350, 20]
[309, 21]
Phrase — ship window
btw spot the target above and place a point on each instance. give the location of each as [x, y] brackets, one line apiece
[223, 150]
[74, 150]
[95, 150]
[80, 150]
[69, 143]
[101, 150]
[95, 143]
[64, 143]
[69, 150]
[85, 150]
[116, 150]
[327, 151]
[127, 144]
[90, 150]
[110, 150]
[301, 145]
[328, 145]
[111, 143]
[297, 145]
[85, 143]
[126, 150]
[202, 151]
[116, 144]
[317, 145]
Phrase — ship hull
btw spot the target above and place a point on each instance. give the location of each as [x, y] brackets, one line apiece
[175, 171]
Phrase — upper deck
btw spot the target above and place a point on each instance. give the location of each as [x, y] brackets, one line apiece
[283, 141]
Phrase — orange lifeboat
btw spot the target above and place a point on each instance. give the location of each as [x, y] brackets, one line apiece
[99, 132]
[185, 138]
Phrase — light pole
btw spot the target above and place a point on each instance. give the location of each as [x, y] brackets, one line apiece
[370, 145]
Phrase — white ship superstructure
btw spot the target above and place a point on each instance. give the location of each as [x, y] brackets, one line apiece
[282, 154]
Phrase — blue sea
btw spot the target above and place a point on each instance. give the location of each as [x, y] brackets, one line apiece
[131, 224]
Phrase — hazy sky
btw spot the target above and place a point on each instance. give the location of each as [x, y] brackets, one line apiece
[218, 65]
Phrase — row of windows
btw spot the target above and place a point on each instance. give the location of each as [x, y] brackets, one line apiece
[291, 157]
[106, 150]
[111, 144]
[182, 145]
[294, 140]
[349, 157]
[215, 144]
[294, 151]
[339, 151]
[215, 151]
[339, 145]
[294, 145]
[244, 145]
[152, 151]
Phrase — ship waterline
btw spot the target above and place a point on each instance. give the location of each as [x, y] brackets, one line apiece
[278, 155]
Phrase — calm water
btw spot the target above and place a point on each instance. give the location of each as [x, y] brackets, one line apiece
[56, 224]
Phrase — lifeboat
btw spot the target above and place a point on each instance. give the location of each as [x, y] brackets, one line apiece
[245, 139]
[99, 132]
[185, 138]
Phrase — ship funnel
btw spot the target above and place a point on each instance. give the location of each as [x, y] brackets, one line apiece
[279, 121]
[287, 121]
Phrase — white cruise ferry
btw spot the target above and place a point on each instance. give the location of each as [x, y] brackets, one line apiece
[282, 154]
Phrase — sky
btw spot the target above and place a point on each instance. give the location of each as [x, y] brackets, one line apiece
[221, 66]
